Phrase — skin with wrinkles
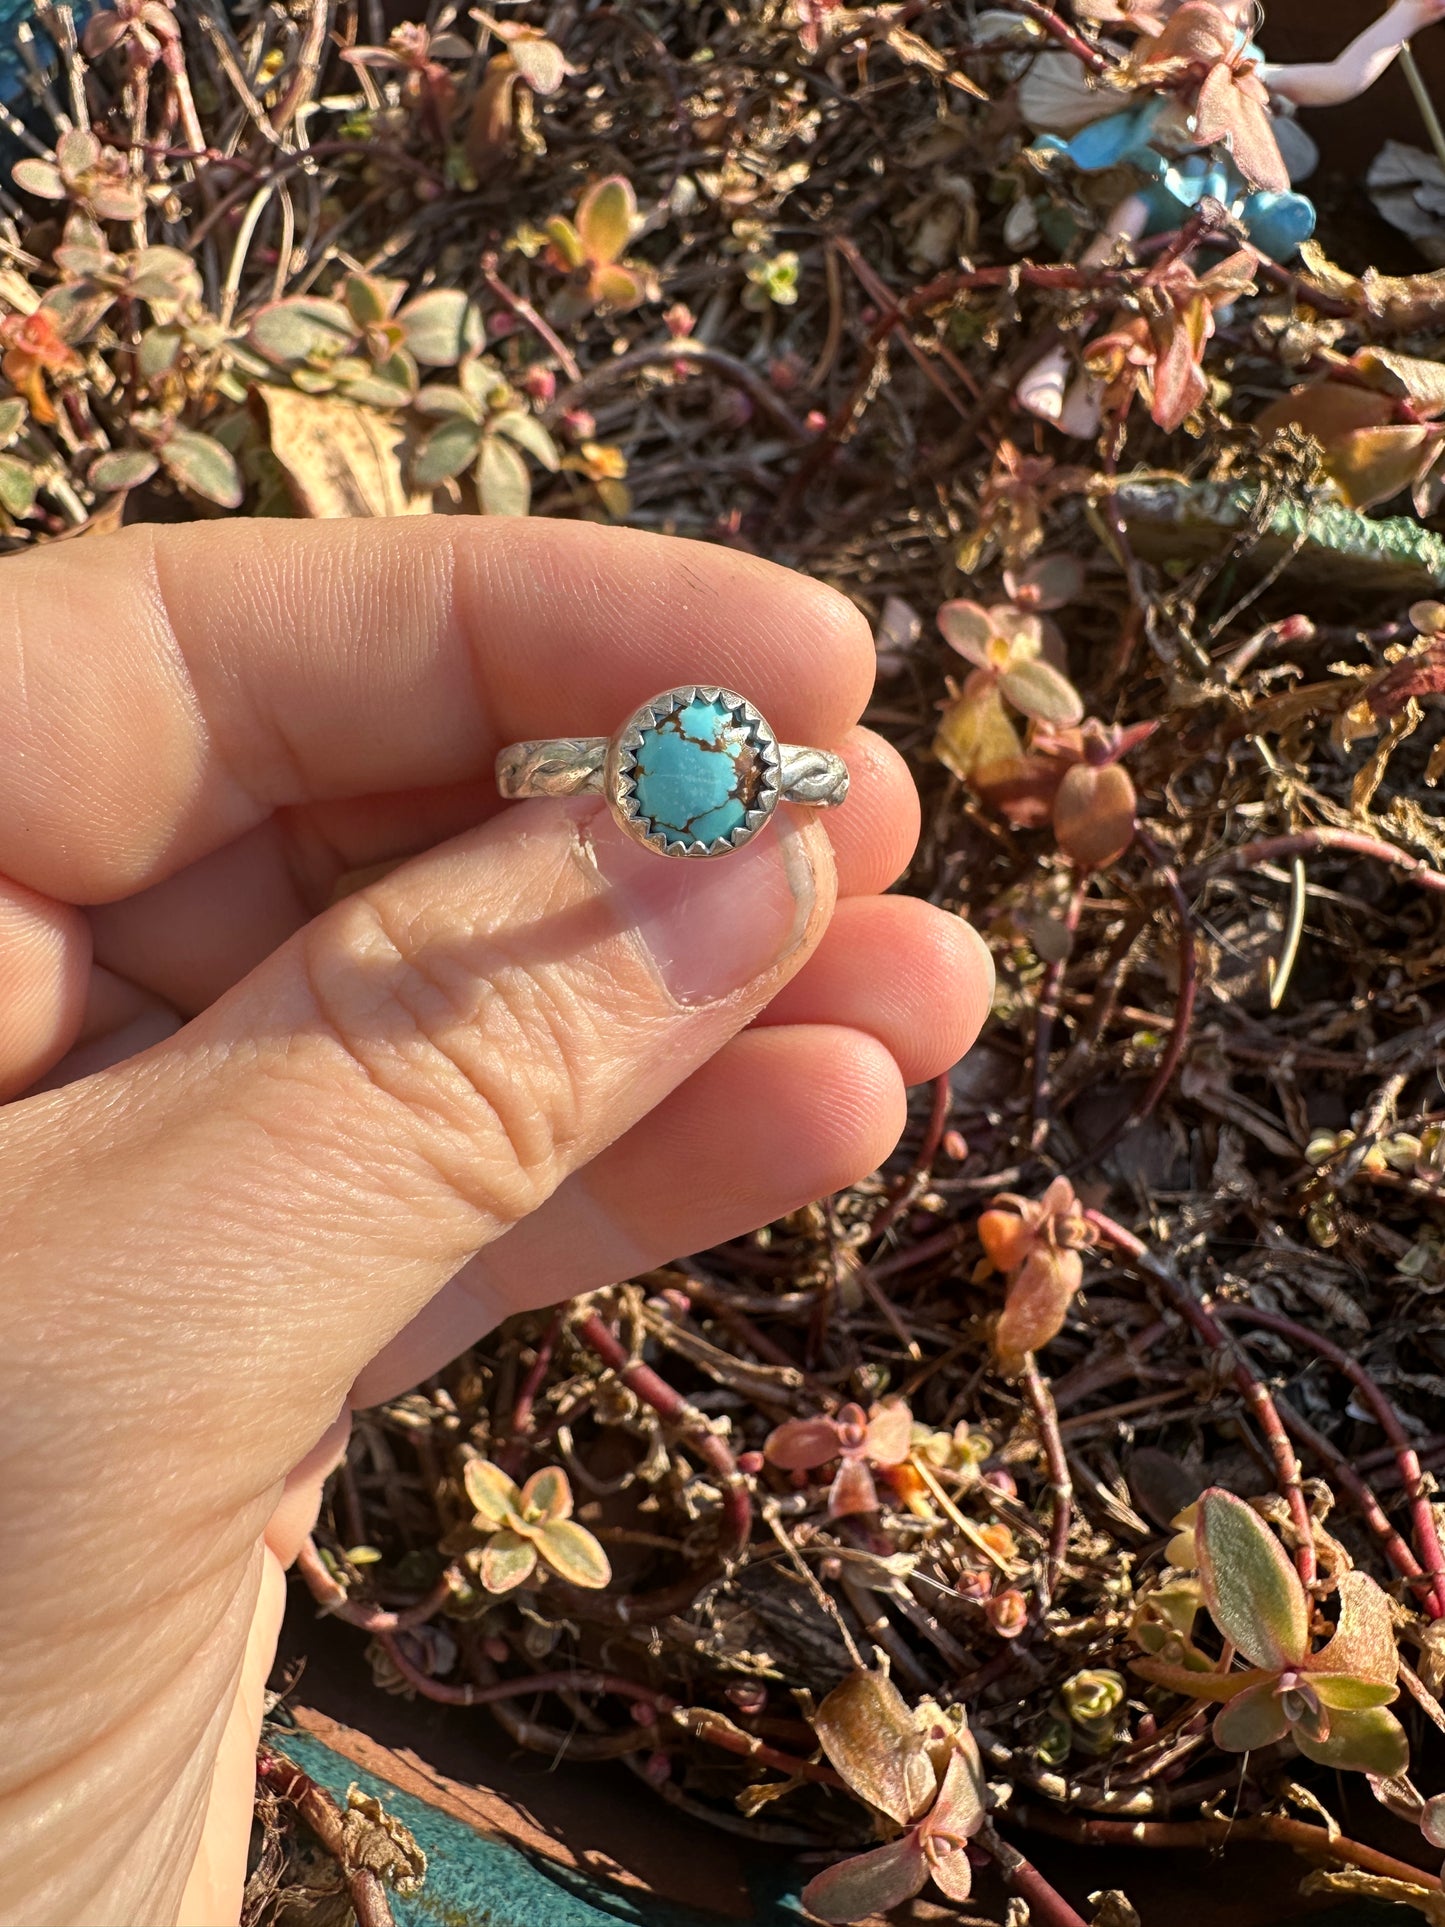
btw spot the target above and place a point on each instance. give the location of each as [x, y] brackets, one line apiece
[266, 1129]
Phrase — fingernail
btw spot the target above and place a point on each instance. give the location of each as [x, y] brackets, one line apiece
[710, 925]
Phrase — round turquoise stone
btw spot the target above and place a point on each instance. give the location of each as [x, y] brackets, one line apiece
[697, 773]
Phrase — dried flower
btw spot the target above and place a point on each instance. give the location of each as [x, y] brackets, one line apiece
[1036, 1244]
[35, 349]
[881, 1436]
[919, 1769]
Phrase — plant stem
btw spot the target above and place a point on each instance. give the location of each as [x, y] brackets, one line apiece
[1047, 1908]
[333, 1598]
[671, 1406]
[328, 1822]
[1206, 1835]
[1301, 843]
[1410, 67]
[1427, 1539]
[1041, 1399]
[1186, 1301]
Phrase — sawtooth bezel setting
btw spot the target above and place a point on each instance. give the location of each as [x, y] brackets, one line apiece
[621, 770]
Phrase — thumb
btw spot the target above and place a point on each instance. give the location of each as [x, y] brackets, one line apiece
[287, 1180]
[279, 1187]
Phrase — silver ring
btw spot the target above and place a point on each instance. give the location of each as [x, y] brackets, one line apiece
[695, 772]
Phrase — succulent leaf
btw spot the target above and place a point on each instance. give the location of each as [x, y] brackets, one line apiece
[1252, 1591]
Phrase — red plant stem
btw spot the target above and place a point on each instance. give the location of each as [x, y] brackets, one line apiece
[671, 1406]
[527, 1397]
[523, 1685]
[1255, 1392]
[1041, 1398]
[1050, 995]
[1064, 34]
[1306, 842]
[532, 1384]
[332, 1597]
[525, 312]
[328, 1822]
[907, 1187]
[1206, 1835]
[717, 1730]
[1047, 1907]
[700, 1721]
[1351, 1482]
[1427, 1539]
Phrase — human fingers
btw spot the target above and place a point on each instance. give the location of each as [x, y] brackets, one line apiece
[915, 977]
[281, 1185]
[821, 1093]
[229, 670]
[804, 1109]
[191, 936]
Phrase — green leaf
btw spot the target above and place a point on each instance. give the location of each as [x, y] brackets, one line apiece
[871, 1737]
[201, 465]
[869, 1883]
[17, 486]
[122, 468]
[158, 352]
[1251, 1720]
[390, 385]
[439, 399]
[164, 274]
[527, 432]
[967, 627]
[290, 332]
[78, 308]
[1252, 1591]
[1204, 1684]
[1349, 1694]
[617, 289]
[547, 1496]
[572, 1552]
[483, 382]
[1038, 690]
[493, 1495]
[1364, 1639]
[566, 240]
[1371, 1741]
[441, 326]
[369, 298]
[117, 200]
[77, 151]
[40, 178]
[446, 451]
[12, 418]
[503, 485]
[507, 1561]
[606, 218]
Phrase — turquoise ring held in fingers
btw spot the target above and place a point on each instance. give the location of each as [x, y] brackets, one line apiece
[696, 772]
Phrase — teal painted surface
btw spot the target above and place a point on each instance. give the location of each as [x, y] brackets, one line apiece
[13, 13]
[693, 774]
[475, 1881]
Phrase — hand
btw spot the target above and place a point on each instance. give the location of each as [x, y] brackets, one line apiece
[277, 1143]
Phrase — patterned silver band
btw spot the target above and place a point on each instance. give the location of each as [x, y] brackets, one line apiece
[576, 766]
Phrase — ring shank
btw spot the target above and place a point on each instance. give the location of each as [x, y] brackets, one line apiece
[573, 766]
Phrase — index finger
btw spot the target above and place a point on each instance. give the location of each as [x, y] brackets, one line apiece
[164, 689]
